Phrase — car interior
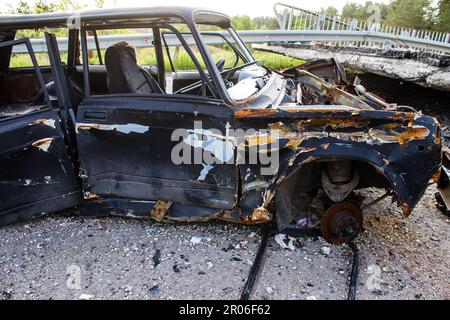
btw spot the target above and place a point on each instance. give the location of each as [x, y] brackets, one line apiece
[20, 89]
[123, 73]
[118, 72]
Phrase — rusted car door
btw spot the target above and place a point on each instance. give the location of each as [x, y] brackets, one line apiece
[37, 175]
[125, 145]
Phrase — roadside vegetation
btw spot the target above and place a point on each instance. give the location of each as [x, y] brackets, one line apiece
[146, 57]
[433, 15]
[418, 14]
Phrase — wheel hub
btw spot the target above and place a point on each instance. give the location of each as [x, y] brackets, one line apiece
[341, 222]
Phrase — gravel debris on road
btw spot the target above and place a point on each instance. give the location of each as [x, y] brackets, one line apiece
[69, 257]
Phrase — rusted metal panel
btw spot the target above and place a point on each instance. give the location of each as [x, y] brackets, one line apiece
[392, 142]
[128, 152]
[37, 175]
[329, 137]
[160, 210]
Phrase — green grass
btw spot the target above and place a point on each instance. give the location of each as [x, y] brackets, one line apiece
[21, 60]
[276, 61]
[182, 61]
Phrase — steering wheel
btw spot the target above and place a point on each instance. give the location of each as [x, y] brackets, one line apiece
[220, 64]
[225, 74]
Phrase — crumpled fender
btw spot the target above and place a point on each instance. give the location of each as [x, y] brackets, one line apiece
[404, 147]
[406, 196]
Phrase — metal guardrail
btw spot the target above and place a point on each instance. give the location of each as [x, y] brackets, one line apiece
[337, 37]
[293, 18]
[139, 40]
[347, 37]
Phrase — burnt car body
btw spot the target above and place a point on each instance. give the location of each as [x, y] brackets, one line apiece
[100, 137]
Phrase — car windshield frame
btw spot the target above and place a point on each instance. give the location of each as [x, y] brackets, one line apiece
[216, 74]
[115, 18]
[239, 53]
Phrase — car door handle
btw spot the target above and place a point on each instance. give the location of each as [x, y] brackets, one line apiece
[95, 115]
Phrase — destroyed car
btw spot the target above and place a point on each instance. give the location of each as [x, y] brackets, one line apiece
[103, 119]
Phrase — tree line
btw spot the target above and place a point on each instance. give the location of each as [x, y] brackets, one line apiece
[417, 14]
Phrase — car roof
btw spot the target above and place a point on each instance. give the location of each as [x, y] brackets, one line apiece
[172, 14]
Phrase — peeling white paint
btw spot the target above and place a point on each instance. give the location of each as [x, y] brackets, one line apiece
[205, 171]
[221, 148]
[47, 122]
[257, 184]
[43, 144]
[128, 128]
[124, 128]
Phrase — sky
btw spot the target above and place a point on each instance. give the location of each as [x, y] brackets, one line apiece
[253, 8]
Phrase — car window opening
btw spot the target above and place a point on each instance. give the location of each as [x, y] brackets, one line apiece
[24, 88]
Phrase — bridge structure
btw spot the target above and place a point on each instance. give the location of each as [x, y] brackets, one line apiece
[359, 33]
[419, 56]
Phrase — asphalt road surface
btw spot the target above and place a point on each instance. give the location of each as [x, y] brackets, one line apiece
[68, 257]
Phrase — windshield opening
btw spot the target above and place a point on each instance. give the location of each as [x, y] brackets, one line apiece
[242, 75]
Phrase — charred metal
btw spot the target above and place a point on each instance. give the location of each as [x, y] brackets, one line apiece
[100, 137]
